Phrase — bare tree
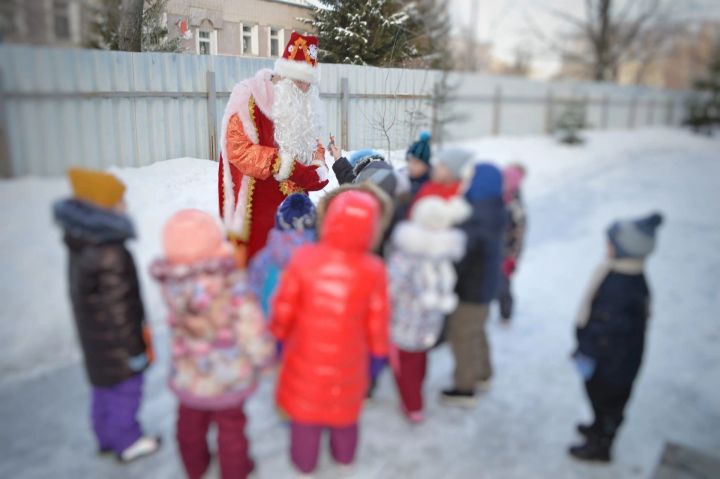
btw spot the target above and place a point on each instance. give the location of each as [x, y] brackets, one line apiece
[130, 26]
[522, 62]
[610, 32]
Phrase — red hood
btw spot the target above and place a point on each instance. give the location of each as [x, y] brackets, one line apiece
[351, 222]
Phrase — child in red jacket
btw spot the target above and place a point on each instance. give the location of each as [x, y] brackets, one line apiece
[331, 311]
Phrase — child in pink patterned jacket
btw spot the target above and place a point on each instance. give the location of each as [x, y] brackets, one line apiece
[219, 341]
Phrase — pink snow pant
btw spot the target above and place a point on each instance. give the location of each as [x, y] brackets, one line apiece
[409, 376]
[192, 431]
[305, 444]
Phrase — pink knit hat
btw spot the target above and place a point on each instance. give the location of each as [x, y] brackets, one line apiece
[513, 175]
[192, 235]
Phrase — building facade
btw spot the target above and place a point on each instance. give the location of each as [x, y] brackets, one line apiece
[258, 28]
[64, 23]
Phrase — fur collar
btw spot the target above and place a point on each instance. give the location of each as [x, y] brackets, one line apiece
[91, 224]
[437, 244]
[260, 88]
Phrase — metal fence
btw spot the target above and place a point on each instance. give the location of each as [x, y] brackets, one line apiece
[61, 107]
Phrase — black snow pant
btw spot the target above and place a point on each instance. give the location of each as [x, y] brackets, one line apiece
[608, 403]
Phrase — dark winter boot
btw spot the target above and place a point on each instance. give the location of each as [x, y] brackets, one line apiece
[585, 429]
[595, 449]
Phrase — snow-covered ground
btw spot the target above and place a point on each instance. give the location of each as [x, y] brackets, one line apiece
[520, 428]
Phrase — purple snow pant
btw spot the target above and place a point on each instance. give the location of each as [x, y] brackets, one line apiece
[305, 444]
[114, 414]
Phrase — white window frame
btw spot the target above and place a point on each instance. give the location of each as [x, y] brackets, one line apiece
[211, 40]
[254, 39]
[279, 40]
[284, 37]
[214, 42]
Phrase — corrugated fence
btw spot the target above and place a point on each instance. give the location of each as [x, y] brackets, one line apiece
[61, 107]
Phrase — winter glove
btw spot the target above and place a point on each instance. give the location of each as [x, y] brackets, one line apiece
[376, 366]
[508, 266]
[585, 365]
[307, 178]
[138, 363]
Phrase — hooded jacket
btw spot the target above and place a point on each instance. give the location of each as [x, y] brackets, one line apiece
[422, 282]
[104, 291]
[331, 311]
[479, 270]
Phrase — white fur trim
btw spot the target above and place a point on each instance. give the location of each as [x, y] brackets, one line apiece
[459, 210]
[445, 244]
[322, 170]
[286, 164]
[238, 218]
[297, 70]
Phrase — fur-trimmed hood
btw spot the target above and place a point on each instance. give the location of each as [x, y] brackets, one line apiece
[86, 223]
[413, 239]
[386, 205]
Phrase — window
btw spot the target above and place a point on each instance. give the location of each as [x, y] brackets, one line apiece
[204, 43]
[247, 40]
[8, 18]
[274, 42]
[61, 19]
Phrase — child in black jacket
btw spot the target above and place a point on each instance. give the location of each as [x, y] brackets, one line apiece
[108, 309]
[611, 332]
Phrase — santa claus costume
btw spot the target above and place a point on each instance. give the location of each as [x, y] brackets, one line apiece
[269, 145]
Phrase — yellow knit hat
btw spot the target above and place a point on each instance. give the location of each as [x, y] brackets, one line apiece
[96, 187]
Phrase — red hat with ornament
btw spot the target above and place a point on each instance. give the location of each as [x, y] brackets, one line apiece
[299, 59]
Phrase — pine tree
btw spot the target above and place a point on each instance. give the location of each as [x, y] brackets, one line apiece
[704, 110]
[154, 31]
[376, 32]
[570, 123]
[430, 32]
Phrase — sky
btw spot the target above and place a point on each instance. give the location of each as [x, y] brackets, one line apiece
[506, 24]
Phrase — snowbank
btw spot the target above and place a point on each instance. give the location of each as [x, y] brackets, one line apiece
[35, 316]
[520, 428]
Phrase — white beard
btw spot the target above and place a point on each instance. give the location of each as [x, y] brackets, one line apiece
[296, 116]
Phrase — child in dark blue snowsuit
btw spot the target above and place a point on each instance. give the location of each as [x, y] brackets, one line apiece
[611, 332]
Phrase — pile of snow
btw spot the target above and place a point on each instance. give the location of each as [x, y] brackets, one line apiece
[520, 428]
[35, 318]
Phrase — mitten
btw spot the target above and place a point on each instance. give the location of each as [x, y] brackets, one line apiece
[307, 178]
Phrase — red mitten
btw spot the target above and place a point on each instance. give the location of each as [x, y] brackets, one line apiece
[508, 266]
[306, 177]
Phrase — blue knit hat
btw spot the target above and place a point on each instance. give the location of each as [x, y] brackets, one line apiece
[359, 155]
[634, 238]
[296, 212]
[486, 183]
[421, 148]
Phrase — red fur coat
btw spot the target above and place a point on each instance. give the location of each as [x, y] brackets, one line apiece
[253, 179]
